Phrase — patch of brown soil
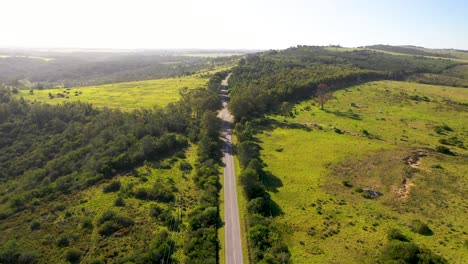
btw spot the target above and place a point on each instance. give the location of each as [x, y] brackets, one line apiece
[413, 160]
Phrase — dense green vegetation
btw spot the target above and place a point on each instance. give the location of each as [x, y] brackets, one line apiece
[263, 81]
[454, 76]
[72, 151]
[265, 241]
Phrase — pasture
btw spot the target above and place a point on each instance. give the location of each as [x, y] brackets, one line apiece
[124, 96]
[382, 136]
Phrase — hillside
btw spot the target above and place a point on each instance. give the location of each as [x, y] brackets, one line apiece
[387, 144]
[337, 167]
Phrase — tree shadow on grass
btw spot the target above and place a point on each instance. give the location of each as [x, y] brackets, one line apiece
[349, 115]
[271, 124]
[271, 182]
[274, 208]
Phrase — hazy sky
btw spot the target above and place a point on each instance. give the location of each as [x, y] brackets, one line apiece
[252, 24]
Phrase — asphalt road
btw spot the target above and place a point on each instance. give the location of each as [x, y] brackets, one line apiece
[233, 240]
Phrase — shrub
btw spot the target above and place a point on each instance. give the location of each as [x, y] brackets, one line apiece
[110, 222]
[141, 193]
[63, 241]
[444, 150]
[120, 202]
[87, 223]
[108, 228]
[35, 225]
[452, 141]
[185, 167]
[59, 207]
[421, 228]
[358, 189]
[395, 234]
[406, 252]
[114, 186]
[73, 255]
[338, 131]
[107, 216]
[346, 183]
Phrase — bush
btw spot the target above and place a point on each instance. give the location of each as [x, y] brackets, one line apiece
[395, 234]
[141, 193]
[120, 202]
[185, 167]
[406, 252]
[110, 222]
[346, 183]
[444, 150]
[73, 255]
[338, 131]
[114, 186]
[108, 228]
[35, 225]
[63, 241]
[358, 189]
[107, 216]
[87, 223]
[421, 228]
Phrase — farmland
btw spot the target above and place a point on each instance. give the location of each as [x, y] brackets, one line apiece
[362, 140]
[125, 96]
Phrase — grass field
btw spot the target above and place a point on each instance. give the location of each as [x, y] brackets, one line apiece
[126, 96]
[64, 218]
[320, 158]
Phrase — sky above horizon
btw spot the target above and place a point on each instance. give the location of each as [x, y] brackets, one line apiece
[240, 24]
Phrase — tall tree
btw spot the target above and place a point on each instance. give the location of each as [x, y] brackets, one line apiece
[323, 94]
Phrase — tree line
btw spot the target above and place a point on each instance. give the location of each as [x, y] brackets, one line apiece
[262, 81]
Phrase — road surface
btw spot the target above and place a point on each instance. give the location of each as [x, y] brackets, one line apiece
[233, 240]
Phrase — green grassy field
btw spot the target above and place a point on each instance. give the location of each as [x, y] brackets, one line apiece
[365, 145]
[126, 96]
[64, 218]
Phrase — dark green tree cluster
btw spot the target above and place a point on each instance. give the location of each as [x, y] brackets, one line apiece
[400, 250]
[110, 222]
[214, 83]
[11, 252]
[262, 81]
[266, 245]
[51, 150]
[202, 241]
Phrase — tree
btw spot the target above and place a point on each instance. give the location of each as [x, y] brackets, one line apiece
[323, 94]
[285, 109]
